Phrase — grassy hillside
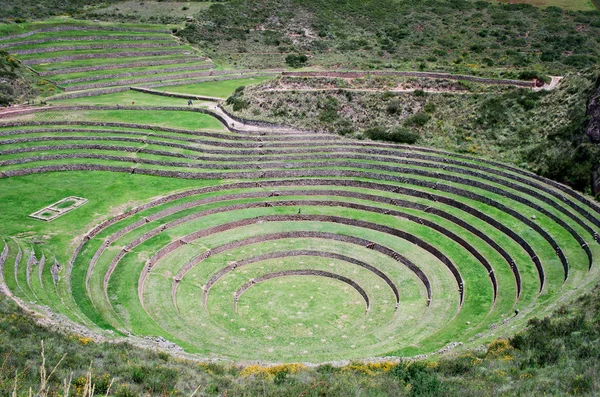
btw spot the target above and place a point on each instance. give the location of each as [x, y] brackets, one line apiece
[38, 9]
[459, 35]
[19, 84]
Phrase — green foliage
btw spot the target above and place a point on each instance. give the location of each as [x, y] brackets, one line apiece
[398, 135]
[29, 9]
[296, 60]
[429, 107]
[329, 109]
[423, 381]
[457, 36]
[18, 84]
[494, 111]
[236, 99]
[394, 107]
[418, 119]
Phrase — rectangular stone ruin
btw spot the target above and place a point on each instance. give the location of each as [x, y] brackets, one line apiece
[59, 208]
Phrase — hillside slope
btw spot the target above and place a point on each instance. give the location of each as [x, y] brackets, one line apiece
[18, 84]
[458, 35]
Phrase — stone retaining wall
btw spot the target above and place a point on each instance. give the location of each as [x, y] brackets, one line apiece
[38, 61]
[138, 126]
[79, 28]
[307, 234]
[367, 185]
[151, 79]
[41, 265]
[16, 266]
[328, 173]
[395, 169]
[285, 273]
[123, 65]
[170, 247]
[132, 74]
[402, 170]
[447, 76]
[29, 268]
[176, 95]
[194, 81]
[85, 94]
[3, 255]
[93, 47]
[84, 38]
[286, 254]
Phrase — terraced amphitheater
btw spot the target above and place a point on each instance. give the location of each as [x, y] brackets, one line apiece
[263, 242]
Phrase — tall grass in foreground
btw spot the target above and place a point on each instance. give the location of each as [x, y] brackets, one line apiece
[555, 356]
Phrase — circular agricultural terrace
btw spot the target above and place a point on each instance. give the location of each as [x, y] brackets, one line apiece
[311, 248]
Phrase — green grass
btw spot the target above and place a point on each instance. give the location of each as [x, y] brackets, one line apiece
[220, 89]
[99, 53]
[185, 120]
[43, 67]
[125, 98]
[124, 69]
[66, 204]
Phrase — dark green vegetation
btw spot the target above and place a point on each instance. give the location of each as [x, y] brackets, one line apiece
[556, 355]
[454, 35]
[23, 10]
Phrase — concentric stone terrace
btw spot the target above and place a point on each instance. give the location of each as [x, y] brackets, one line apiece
[305, 247]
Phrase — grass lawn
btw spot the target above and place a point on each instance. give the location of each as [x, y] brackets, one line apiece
[221, 89]
[185, 120]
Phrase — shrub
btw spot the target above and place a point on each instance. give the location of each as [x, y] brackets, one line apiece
[394, 107]
[418, 119]
[296, 60]
[422, 379]
[125, 391]
[237, 101]
[429, 107]
[399, 135]
[457, 366]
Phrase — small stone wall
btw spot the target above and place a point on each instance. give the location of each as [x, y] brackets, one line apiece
[125, 65]
[447, 76]
[80, 28]
[285, 273]
[38, 61]
[93, 47]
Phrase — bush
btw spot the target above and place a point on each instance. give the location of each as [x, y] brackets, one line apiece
[399, 135]
[422, 379]
[237, 101]
[394, 107]
[296, 60]
[429, 107]
[418, 119]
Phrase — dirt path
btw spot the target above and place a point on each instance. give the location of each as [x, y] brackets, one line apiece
[241, 126]
[552, 85]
